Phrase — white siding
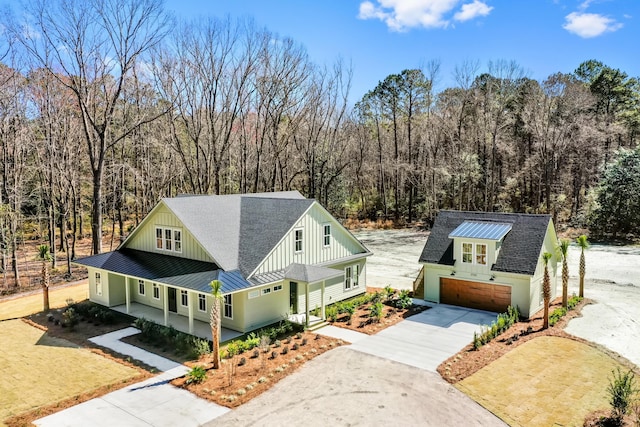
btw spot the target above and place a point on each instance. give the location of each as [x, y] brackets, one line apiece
[144, 238]
[343, 244]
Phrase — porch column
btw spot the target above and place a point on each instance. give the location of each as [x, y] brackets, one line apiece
[190, 302]
[127, 293]
[306, 305]
[165, 304]
[322, 301]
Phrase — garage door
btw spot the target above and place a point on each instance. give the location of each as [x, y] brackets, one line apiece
[482, 296]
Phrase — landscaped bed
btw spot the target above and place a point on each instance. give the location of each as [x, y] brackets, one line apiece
[246, 375]
[374, 311]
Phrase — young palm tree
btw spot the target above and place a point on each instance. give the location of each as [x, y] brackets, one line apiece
[214, 321]
[563, 247]
[584, 244]
[45, 257]
[546, 288]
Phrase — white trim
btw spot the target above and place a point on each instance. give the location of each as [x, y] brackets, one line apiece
[347, 283]
[474, 253]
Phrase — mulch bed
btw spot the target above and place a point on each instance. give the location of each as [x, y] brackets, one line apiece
[252, 375]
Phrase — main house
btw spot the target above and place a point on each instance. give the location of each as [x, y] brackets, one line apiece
[488, 261]
[276, 254]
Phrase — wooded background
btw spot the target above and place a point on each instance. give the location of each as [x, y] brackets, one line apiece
[106, 106]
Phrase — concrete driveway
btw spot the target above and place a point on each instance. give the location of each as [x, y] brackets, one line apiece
[387, 378]
[427, 339]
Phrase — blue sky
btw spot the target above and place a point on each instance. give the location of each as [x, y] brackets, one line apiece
[382, 37]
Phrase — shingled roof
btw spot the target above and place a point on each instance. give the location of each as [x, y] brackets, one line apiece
[520, 250]
[239, 230]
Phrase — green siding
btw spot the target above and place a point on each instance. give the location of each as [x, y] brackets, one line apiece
[144, 238]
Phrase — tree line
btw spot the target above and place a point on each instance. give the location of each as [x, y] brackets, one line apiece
[106, 106]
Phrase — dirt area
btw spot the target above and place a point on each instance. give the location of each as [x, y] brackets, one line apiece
[251, 373]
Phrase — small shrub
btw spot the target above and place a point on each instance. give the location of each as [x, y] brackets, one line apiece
[317, 337]
[256, 353]
[242, 361]
[304, 341]
[298, 335]
[70, 318]
[274, 354]
[49, 317]
[249, 387]
[287, 340]
[200, 347]
[285, 350]
[277, 344]
[389, 293]
[241, 392]
[376, 311]
[262, 380]
[294, 346]
[196, 375]
[404, 300]
[621, 389]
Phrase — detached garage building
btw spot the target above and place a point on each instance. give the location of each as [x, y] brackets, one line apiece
[488, 261]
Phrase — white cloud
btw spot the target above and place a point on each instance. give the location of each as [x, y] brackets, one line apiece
[472, 10]
[401, 15]
[587, 25]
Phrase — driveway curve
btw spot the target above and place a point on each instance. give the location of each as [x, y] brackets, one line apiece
[345, 387]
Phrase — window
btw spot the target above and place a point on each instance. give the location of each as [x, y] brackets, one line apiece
[326, 239]
[266, 291]
[159, 241]
[156, 291]
[298, 240]
[228, 308]
[481, 254]
[474, 254]
[467, 253]
[356, 275]
[277, 288]
[202, 302]
[141, 287]
[254, 294]
[98, 284]
[169, 239]
[184, 298]
[347, 278]
[177, 240]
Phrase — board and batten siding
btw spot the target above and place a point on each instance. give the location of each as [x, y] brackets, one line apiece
[144, 239]
[342, 245]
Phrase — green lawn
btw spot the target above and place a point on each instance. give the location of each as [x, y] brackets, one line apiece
[548, 381]
[38, 370]
[25, 305]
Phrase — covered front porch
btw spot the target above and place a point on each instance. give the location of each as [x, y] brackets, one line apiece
[179, 322]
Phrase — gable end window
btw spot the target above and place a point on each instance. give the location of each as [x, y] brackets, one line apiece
[141, 289]
[228, 308]
[298, 239]
[169, 239]
[326, 235]
[98, 284]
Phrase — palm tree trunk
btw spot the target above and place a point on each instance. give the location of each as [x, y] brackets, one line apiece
[565, 283]
[214, 322]
[582, 271]
[45, 285]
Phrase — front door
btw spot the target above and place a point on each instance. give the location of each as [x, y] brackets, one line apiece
[173, 302]
[293, 297]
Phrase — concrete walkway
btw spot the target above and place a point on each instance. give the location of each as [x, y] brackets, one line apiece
[424, 340]
[153, 402]
[112, 341]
